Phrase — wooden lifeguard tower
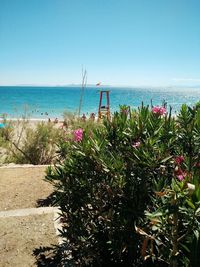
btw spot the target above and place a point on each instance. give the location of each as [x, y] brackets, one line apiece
[104, 110]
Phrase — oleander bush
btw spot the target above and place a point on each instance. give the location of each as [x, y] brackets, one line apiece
[173, 221]
[129, 191]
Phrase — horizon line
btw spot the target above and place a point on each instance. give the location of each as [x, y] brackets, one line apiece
[94, 85]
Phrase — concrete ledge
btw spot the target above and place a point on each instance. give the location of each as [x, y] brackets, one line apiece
[27, 212]
[12, 166]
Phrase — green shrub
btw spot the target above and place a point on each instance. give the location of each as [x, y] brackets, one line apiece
[105, 181]
[173, 221]
[30, 144]
[39, 145]
[6, 134]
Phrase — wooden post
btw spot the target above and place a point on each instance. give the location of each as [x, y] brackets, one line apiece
[104, 110]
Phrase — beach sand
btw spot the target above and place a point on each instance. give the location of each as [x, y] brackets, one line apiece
[21, 237]
[23, 187]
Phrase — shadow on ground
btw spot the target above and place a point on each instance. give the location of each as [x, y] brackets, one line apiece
[46, 202]
[51, 257]
[47, 256]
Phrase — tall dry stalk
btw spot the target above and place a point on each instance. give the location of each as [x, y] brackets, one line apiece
[84, 82]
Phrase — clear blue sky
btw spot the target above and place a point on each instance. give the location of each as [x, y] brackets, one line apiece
[119, 42]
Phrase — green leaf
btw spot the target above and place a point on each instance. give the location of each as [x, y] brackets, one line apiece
[166, 159]
[197, 213]
[80, 153]
[154, 228]
[195, 248]
[154, 214]
[197, 193]
[198, 118]
[189, 202]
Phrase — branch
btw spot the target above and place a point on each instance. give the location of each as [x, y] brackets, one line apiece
[19, 149]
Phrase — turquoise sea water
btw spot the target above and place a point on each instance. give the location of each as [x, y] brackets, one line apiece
[53, 101]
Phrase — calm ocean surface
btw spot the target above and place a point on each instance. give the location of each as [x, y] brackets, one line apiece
[54, 100]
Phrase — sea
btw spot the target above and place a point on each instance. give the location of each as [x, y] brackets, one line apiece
[52, 102]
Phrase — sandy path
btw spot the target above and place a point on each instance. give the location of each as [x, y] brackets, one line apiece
[22, 236]
[26, 231]
[22, 187]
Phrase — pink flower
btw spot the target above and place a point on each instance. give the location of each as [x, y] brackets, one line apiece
[159, 110]
[155, 109]
[162, 110]
[180, 177]
[78, 135]
[136, 144]
[179, 159]
[179, 173]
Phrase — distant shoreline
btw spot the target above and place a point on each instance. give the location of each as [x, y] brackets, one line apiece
[107, 86]
[32, 119]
